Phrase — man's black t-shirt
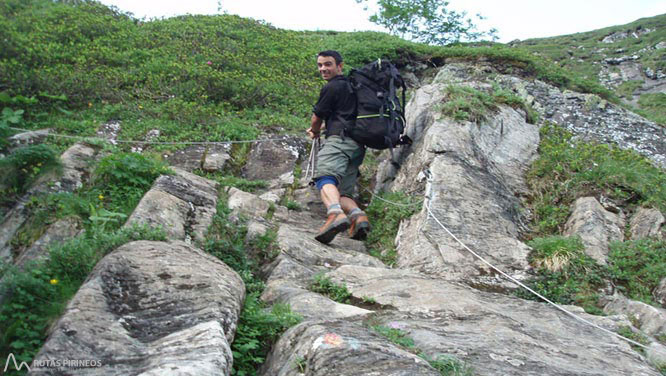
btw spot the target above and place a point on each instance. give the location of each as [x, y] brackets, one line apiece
[336, 101]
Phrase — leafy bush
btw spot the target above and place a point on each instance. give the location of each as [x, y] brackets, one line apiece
[638, 266]
[337, 292]
[385, 219]
[121, 179]
[23, 167]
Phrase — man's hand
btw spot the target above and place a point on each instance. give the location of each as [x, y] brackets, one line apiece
[312, 134]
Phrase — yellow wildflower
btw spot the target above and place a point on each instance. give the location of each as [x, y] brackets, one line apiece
[53, 281]
[101, 197]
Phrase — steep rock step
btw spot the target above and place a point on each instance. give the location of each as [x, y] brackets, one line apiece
[495, 333]
[340, 347]
[300, 259]
[151, 308]
[182, 204]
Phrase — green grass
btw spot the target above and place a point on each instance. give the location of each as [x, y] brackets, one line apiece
[194, 78]
[583, 53]
[653, 107]
[565, 274]
[337, 292]
[259, 326]
[468, 104]
[385, 219]
[637, 267]
[228, 180]
[567, 169]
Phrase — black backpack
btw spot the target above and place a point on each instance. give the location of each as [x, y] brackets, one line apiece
[380, 117]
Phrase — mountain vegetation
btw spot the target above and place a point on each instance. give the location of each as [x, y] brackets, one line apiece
[73, 65]
[602, 53]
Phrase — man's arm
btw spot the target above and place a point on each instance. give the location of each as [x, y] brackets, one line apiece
[315, 126]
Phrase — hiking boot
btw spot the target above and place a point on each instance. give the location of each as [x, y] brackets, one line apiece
[335, 224]
[360, 227]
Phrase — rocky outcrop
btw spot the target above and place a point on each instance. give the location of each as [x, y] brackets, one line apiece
[646, 223]
[585, 115]
[596, 227]
[182, 204]
[151, 308]
[209, 158]
[338, 347]
[497, 334]
[471, 178]
[274, 161]
[476, 180]
[649, 319]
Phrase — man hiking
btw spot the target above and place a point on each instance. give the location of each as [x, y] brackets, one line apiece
[340, 156]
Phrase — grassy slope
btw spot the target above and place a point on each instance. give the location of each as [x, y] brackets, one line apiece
[584, 53]
[192, 77]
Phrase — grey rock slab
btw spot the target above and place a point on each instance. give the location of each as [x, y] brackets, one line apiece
[340, 347]
[651, 320]
[76, 163]
[477, 181]
[208, 158]
[182, 204]
[247, 203]
[301, 246]
[28, 138]
[11, 223]
[646, 223]
[494, 333]
[596, 227]
[473, 202]
[308, 304]
[150, 308]
[160, 209]
[660, 292]
[59, 231]
[270, 160]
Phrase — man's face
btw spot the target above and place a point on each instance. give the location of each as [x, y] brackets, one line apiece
[327, 67]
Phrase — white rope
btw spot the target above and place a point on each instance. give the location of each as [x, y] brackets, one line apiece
[391, 202]
[431, 214]
[151, 142]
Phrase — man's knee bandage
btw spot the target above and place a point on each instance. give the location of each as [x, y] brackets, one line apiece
[322, 181]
